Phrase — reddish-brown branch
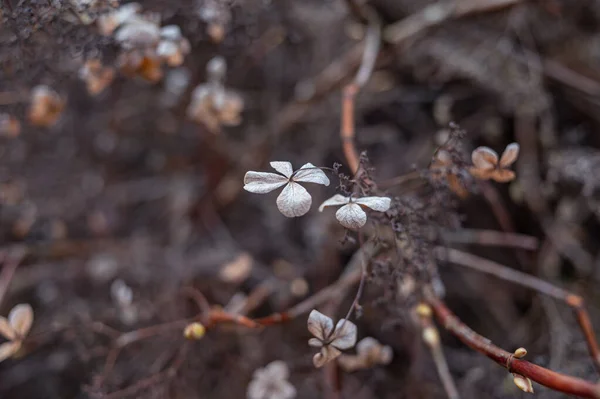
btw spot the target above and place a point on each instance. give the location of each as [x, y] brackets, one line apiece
[551, 379]
[347, 129]
[505, 273]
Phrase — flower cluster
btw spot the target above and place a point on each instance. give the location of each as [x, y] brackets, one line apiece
[487, 166]
[332, 340]
[271, 382]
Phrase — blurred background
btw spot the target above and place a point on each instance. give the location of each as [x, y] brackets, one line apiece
[126, 131]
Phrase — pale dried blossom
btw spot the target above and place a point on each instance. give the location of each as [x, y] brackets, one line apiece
[331, 340]
[46, 106]
[486, 165]
[271, 382]
[369, 353]
[217, 15]
[173, 47]
[212, 104]
[110, 21]
[294, 200]
[15, 329]
[238, 270]
[351, 215]
[96, 76]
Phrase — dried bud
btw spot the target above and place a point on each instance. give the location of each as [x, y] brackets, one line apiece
[423, 310]
[523, 383]
[431, 336]
[194, 331]
[520, 353]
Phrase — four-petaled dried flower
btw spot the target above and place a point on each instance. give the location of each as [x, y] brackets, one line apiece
[486, 164]
[351, 214]
[271, 382]
[15, 329]
[46, 106]
[294, 200]
[331, 340]
[369, 353]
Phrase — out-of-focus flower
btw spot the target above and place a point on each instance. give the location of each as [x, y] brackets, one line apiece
[486, 165]
[46, 106]
[15, 329]
[331, 340]
[294, 200]
[96, 76]
[9, 126]
[351, 215]
[110, 21]
[369, 353]
[173, 47]
[271, 382]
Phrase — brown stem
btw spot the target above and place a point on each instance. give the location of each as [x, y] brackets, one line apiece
[505, 273]
[551, 379]
[12, 259]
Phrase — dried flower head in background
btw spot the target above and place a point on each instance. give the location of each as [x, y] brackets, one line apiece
[173, 47]
[109, 22]
[217, 15]
[271, 382]
[294, 200]
[331, 340]
[15, 329]
[212, 104]
[351, 215]
[96, 76]
[46, 106]
[369, 353]
[486, 164]
[144, 64]
[9, 126]
[237, 270]
[442, 166]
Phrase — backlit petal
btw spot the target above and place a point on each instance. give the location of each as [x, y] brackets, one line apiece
[283, 167]
[351, 216]
[263, 182]
[336, 200]
[380, 204]
[484, 158]
[319, 325]
[510, 154]
[309, 173]
[294, 200]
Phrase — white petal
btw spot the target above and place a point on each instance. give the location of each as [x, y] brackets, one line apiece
[380, 204]
[263, 182]
[336, 200]
[351, 216]
[8, 349]
[256, 389]
[309, 173]
[277, 370]
[286, 390]
[510, 154]
[319, 325]
[6, 330]
[315, 342]
[283, 167]
[484, 158]
[294, 200]
[327, 354]
[345, 334]
[366, 344]
[21, 319]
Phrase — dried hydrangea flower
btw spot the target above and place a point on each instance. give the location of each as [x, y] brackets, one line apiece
[331, 340]
[15, 329]
[137, 33]
[351, 214]
[46, 106]
[486, 164]
[109, 22]
[369, 353]
[271, 382]
[294, 200]
[96, 76]
[144, 64]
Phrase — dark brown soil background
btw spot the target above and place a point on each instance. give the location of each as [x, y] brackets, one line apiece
[125, 187]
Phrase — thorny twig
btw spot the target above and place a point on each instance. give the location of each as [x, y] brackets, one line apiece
[551, 379]
[490, 267]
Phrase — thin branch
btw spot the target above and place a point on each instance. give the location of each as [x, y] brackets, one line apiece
[431, 337]
[490, 238]
[12, 259]
[551, 379]
[487, 266]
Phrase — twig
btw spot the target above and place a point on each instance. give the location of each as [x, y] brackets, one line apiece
[551, 379]
[505, 273]
[431, 337]
[491, 238]
[371, 50]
